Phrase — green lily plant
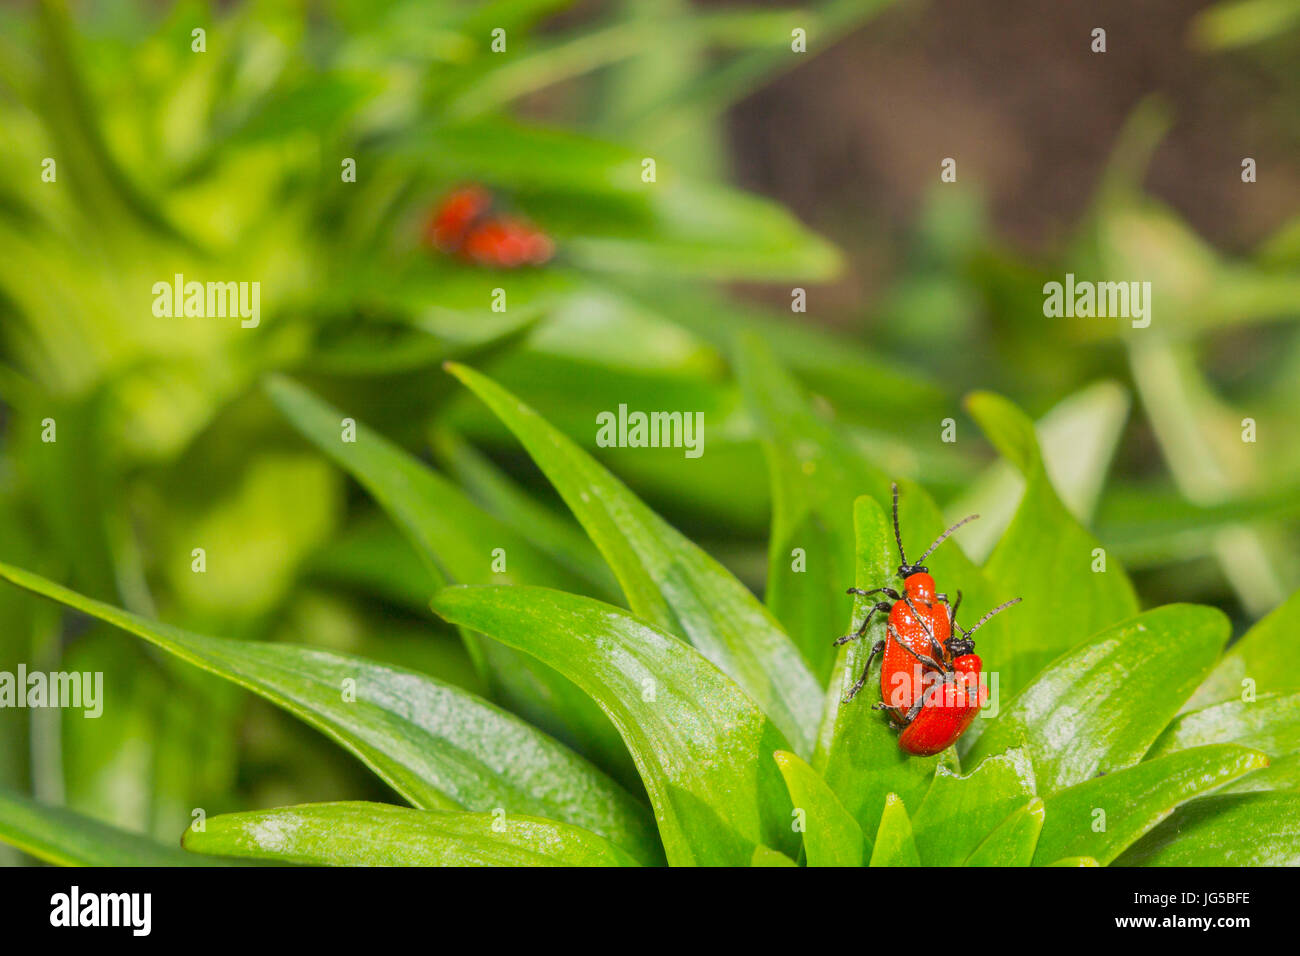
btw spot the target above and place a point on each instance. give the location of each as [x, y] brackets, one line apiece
[647, 708]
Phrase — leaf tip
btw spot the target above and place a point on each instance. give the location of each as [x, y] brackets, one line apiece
[1007, 428]
[444, 599]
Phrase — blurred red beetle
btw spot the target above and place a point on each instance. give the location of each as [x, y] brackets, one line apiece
[466, 225]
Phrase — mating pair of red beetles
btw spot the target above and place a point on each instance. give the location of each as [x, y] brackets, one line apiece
[933, 675]
[466, 223]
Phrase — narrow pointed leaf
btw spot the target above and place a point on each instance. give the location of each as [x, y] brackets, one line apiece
[831, 837]
[815, 478]
[457, 540]
[1101, 706]
[1012, 842]
[1264, 656]
[1282, 773]
[667, 579]
[65, 838]
[377, 834]
[703, 748]
[1045, 557]
[436, 745]
[1256, 829]
[1270, 724]
[894, 845]
[1078, 438]
[959, 811]
[557, 535]
[1101, 817]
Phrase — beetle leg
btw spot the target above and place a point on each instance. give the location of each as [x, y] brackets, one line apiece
[882, 606]
[900, 718]
[890, 592]
[928, 696]
[853, 692]
[914, 709]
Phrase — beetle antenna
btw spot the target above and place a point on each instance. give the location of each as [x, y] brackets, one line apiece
[943, 537]
[984, 619]
[897, 536]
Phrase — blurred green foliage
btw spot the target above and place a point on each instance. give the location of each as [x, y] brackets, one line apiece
[226, 164]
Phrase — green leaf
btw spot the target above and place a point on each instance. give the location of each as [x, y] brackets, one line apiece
[1270, 724]
[1150, 526]
[64, 838]
[457, 539]
[1236, 23]
[558, 536]
[1075, 861]
[1263, 655]
[1256, 829]
[831, 836]
[815, 478]
[1012, 842]
[1078, 437]
[1100, 707]
[1187, 420]
[376, 558]
[436, 745]
[959, 811]
[766, 856]
[1282, 773]
[667, 579]
[1135, 800]
[710, 93]
[858, 753]
[707, 230]
[376, 834]
[894, 845]
[1045, 557]
[853, 377]
[702, 747]
[454, 535]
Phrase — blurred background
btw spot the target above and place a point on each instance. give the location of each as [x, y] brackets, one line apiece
[221, 155]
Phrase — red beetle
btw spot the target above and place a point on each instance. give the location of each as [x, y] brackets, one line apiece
[933, 677]
[948, 706]
[466, 225]
[918, 630]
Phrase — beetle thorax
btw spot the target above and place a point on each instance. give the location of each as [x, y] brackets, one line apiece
[919, 587]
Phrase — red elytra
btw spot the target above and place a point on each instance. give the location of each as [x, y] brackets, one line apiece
[507, 243]
[949, 705]
[949, 709]
[464, 224]
[913, 623]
